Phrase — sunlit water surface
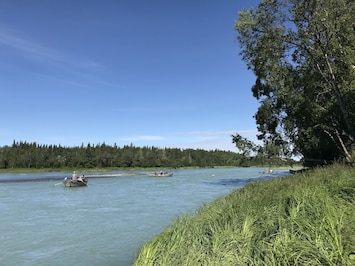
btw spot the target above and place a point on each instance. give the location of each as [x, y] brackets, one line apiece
[105, 223]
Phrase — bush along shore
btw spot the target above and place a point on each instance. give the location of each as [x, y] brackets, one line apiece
[303, 219]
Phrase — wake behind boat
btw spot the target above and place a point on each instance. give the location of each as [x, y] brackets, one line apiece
[160, 174]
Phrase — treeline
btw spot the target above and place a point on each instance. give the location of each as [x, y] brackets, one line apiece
[32, 155]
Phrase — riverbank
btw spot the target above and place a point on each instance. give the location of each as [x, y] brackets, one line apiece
[126, 169]
[304, 219]
[70, 170]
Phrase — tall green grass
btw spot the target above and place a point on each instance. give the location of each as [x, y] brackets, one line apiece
[304, 219]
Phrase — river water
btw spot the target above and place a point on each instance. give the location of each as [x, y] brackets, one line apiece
[105, 223]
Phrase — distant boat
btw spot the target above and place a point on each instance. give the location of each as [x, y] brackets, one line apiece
[75, 183]
[268, 171]
[160, 174]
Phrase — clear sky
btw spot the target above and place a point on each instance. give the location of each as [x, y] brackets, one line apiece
[149, 73]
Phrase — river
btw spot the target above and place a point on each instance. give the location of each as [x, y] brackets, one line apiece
[105, 223]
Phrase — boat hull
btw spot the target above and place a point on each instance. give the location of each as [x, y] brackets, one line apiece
[160, 175]
[74, 183]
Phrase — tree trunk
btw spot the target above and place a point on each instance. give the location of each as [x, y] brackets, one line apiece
[339, 97]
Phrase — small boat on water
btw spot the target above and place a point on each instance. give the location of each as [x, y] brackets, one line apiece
[75, 183]
[160, 174]
[268, 171]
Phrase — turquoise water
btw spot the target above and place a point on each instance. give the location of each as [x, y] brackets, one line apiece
[43, 223]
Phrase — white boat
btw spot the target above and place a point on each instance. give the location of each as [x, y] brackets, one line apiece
[268, 171]
[75, 183]
[160, 174]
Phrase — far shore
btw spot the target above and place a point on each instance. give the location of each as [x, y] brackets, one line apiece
[128, 171]
[113, 175]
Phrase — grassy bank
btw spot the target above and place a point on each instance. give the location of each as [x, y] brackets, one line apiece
[304, 219]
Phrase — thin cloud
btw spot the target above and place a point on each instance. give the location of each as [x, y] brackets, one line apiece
[158, 108]
[142, 138]
[37, 52]
[218, 133]
[83, 72]
[29, 48]
[210, 140]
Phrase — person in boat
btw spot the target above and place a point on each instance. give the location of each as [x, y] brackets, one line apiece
[74, 176]
[82, 179]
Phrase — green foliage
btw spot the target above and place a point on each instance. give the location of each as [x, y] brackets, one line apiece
[271, 153]
[303, 54]
[243, 144]
[34, 156]
[305, 219]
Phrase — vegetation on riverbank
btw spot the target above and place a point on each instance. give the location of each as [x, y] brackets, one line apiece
[26, 155]
[71, 169]
[302, 54]
[304, 219]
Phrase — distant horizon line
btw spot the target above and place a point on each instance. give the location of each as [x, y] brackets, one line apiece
[112, 145]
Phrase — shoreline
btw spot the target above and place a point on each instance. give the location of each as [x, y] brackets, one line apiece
[104, 170]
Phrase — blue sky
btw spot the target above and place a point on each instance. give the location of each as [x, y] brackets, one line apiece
[148, 73]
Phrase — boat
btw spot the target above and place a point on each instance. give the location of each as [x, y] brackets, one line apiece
[160, 174]
[75, 183]
[268, 171]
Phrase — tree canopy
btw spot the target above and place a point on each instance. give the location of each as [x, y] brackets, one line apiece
[303, 56]
[22, 154]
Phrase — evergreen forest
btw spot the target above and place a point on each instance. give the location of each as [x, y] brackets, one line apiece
[32, 155]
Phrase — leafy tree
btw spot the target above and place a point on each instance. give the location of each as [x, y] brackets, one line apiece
[245, 146]
[303, 55]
